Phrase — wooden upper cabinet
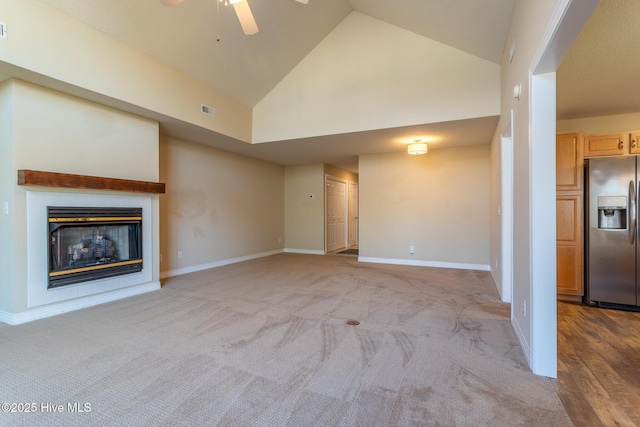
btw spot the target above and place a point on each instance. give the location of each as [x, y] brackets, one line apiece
[634, 143]
[614, 144]
[569, 161]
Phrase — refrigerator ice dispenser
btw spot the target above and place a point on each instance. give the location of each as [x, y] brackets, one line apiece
[612, 212]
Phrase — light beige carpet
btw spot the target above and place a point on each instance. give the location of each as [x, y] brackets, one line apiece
[265, 343]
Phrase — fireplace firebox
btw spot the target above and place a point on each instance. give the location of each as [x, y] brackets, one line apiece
[87, 243]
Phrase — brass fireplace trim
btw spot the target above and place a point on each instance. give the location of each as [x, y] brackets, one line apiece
[93, 268]
[100, 219]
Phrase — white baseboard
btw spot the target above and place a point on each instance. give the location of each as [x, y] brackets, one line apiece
[75, 304]
[502, 292]
[420, 263]
[214, 264]
[304, 251]
[526, 349]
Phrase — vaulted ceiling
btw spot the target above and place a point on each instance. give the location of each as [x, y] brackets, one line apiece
[595, 78]
[248, 67]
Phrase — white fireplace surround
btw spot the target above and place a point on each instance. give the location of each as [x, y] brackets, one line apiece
[43, 302]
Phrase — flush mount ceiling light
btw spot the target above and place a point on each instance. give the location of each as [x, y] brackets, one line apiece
[245, 16]
[417, 147]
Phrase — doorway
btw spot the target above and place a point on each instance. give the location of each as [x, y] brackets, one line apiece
[353, 214]
[538, 132]
[506, 205]
[336, 213]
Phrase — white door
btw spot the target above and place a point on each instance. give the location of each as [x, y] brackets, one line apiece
[353, 213]
[336, 192]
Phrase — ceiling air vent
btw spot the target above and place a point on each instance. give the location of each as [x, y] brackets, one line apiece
[208, 110]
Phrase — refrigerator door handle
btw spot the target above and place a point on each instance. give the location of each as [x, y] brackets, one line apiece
[632, 212]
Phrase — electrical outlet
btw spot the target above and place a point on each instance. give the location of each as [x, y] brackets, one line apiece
[280, 239]
[3, 30]
[524, 307]
[411, 249]
[179, 254]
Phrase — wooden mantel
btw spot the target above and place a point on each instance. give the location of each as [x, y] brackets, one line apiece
[66, 180]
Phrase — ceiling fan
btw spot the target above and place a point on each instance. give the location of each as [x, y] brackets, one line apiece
[243, 11]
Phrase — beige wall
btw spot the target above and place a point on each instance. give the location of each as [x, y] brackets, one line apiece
[58, 51]
[367, 74]
[60, 133]
[303, 215]
[218, 206]
[529, 23]
[439, 203]
[602, 124]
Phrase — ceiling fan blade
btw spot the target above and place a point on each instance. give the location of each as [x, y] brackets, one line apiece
[303, 1]
[171, 2]
[245, 16]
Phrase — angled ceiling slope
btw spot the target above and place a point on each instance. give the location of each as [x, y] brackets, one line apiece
[368, 74]
[247, 68]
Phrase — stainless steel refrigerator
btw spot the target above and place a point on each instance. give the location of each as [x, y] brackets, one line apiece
[612, 232]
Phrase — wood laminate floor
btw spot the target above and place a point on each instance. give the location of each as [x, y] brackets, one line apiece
[599, 365]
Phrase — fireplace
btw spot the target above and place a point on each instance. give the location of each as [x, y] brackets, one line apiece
[87, 243]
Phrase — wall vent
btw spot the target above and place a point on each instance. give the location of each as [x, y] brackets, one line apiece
[208, 110]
